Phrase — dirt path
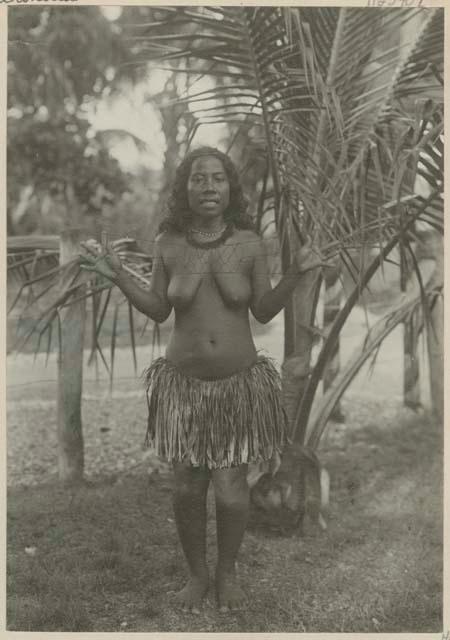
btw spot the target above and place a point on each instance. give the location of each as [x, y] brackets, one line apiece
[26, 370]
[114, 426]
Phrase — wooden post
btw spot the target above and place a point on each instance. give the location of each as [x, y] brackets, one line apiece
[70, 375]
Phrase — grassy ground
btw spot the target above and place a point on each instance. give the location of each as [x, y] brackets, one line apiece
[105, 557]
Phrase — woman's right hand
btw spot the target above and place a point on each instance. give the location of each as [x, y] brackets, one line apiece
[105, 262]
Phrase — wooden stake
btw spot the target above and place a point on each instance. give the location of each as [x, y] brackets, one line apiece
[70, 375]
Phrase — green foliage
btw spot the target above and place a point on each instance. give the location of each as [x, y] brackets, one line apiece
[58, 59]
[52, 155]
[345, 105]
[58, 54]
[368, 348]
[339, 109]
[328, 103]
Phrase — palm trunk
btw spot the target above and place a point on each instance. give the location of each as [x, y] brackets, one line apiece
[435, 338]
[171, 114]
[295, 484]
[332, 305]
[305, 404]
[411, 369]
[70, 376]
[296, 366]
[295, 489]
[411, 331]
[371, 342]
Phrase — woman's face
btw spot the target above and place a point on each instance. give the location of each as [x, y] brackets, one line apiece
[208, 188]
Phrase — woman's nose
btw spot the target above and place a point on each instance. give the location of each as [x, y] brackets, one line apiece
[209, 184]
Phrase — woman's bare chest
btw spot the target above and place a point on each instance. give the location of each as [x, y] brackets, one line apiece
[223, 271]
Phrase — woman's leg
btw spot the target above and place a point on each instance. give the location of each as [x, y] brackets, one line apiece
[232, 506]
[189, 503]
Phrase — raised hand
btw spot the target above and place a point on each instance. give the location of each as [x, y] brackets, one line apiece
[105, 262]
[307, 258]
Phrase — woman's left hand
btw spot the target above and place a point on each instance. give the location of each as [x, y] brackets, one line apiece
[307, 258]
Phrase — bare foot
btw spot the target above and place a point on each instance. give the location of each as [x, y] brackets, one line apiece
[192, 594]
[229, 594]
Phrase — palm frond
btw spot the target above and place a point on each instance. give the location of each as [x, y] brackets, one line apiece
[423, 69]
[369, 345]
[305, 403]
[113, 344]
[346, 115]
[320, 82]
[132, 335]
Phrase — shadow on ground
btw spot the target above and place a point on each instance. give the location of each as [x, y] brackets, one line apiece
[105, 557]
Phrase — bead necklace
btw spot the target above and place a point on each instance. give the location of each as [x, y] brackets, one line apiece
[208, 234]
[211, 244]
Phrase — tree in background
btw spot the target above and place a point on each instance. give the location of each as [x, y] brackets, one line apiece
[340, 125]
[58, 60]
[346, 116]
[62, 177]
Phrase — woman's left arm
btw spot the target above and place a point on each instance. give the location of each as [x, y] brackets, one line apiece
[266, 301]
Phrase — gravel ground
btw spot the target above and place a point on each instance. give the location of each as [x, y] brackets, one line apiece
[114, 430]
[114, 425]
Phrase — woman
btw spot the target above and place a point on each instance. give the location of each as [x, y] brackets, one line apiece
[214, 404]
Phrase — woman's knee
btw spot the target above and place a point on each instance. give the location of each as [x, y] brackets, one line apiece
[231, 488]
[189, 481]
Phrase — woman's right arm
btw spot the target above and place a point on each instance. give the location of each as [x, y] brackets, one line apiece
[152, 302]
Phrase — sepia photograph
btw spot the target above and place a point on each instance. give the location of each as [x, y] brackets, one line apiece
[225, 318]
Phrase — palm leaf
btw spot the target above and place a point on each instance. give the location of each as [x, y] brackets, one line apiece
[320, 83]
[132, 335]
[113, 344]
[103, 312]
[305, 402]
[369, 345]
[96, 299]
[341, 113]
[51, 273]
[49, 343]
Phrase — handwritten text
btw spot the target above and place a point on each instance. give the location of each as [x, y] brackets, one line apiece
[395, 3]
[28, 1]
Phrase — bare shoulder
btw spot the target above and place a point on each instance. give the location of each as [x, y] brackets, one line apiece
[165, 238]
[166, 242]
[251, 242]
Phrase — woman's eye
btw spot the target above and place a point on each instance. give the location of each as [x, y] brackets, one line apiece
[198, 180]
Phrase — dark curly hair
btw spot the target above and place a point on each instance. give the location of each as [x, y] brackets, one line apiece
[179, 216]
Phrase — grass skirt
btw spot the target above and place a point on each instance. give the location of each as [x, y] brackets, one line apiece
[215, 423]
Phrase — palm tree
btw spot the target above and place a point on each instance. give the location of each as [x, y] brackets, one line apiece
[346, 115]
[344, 122]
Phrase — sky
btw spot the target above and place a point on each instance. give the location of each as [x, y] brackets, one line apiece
[133, 112]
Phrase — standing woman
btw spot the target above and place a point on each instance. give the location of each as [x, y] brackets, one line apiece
[214, 403]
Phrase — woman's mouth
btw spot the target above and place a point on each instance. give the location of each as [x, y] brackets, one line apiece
[209, 200]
